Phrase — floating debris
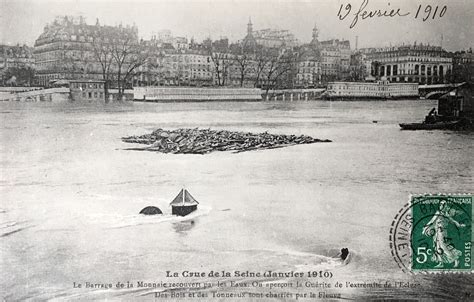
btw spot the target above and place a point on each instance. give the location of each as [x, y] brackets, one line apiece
[151, 210]
[202, 141]
[183, 204]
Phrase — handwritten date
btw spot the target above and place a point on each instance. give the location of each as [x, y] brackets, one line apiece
[423, 12]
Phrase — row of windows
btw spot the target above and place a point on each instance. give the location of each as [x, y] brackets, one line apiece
[417, 54]
[416, 59]
[309, 64]
[88, 95]
[192, 60]
[87, 85]
[373, 88]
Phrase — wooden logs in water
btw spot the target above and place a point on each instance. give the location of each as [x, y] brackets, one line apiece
[202, 141]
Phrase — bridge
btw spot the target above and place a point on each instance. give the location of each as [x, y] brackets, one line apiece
[34, 94]
[437, 90]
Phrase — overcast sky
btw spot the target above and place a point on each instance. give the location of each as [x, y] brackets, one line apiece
[22, 21]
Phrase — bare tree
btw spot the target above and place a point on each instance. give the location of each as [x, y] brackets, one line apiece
[222, 62]
[262, 58]
[102, 48]
[221, 57]
[278, 65]
[129, 56]
[243, 62]
[124, 48]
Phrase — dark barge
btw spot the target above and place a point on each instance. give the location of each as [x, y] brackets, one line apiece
[455, 112]
[447, 125]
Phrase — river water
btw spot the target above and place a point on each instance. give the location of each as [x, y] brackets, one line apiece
[70, 194]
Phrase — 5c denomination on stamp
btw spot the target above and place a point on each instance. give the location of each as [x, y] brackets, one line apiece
[433, 233]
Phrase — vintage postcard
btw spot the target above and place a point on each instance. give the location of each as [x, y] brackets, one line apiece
[228, 150]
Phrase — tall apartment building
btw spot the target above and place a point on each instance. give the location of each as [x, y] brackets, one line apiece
[463, 66]
[172, 67]
[308, 70]
[422, 64]
[335, 58]
[65, 49]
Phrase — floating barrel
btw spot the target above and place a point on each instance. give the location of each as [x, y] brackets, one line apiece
[151, 211]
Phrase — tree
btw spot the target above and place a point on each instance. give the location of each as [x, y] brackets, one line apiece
[262, 58]
[119, 52]
[19, 76]
[222, 63]
[102, 48]
[128, 56]
[277, 69]
[243, 61]
[221, 58]
[375, 66]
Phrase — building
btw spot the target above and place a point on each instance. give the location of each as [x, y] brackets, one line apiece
[463, 66]
[67, 49]
[335, 59]
[87, 91]
[334, 56]
[171, 67]
[308, 72]
[275, 38]
[249, 43]
[16, 65]
[190, 68]
[268, 37]
[360, 67]
[458, 105]
[422, 64]
[367, 90]
[166, 37]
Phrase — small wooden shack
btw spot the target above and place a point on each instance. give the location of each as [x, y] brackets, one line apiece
[459, 105]
[87, 90]
[183, 204]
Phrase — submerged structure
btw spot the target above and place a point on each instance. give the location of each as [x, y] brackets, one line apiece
[151, 210]
[183, 204]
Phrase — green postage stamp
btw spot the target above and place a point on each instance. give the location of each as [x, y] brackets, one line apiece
[433, 233]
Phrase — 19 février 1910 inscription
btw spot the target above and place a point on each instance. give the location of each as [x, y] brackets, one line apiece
[364, 11]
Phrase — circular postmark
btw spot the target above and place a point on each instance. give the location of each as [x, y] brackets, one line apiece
[432, 233]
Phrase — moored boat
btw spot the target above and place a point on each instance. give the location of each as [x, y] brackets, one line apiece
[443, 125]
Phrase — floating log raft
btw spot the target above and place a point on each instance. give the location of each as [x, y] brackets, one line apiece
[202, 141]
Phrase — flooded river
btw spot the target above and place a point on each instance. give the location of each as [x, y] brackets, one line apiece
[70, 197]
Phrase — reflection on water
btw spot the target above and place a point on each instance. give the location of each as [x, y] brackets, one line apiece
[183, 227]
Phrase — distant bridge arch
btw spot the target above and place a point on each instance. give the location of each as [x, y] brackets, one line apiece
[435, 94]
[436, 90]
